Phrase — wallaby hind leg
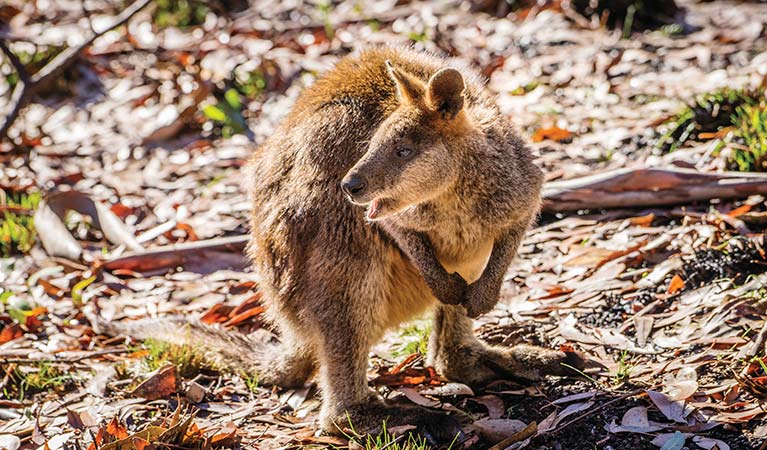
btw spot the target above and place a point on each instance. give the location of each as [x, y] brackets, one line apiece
[347, 401]
[343, 358]
[458, 355]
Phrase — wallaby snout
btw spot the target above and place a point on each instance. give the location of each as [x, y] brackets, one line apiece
[353, 185]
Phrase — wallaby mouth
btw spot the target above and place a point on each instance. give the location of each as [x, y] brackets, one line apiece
[381, 208]
[375, 208]
[358, 193]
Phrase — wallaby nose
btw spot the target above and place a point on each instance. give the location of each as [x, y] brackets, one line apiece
[353, 186]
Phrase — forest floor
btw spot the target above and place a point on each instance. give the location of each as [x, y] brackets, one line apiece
[130, 163]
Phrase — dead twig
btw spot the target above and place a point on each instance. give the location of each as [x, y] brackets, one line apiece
[8, 372]
[17, 210]
[20, 92]
[74, 360]
[528, 432]
[758, 344]
[29, 84]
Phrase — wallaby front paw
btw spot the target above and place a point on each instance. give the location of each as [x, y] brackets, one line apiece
[454, 291]
[479, 300]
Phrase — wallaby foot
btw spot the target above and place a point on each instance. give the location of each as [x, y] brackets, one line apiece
[369, 419]
[458, 355]
[480, 364]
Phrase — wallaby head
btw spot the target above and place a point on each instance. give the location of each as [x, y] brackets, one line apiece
[415, 154]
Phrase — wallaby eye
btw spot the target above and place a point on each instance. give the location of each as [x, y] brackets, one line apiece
[404, 152]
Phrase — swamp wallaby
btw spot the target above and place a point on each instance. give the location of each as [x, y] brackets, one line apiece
[393, 187]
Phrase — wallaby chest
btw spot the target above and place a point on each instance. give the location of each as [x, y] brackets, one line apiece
[461, 243]
[467, 256]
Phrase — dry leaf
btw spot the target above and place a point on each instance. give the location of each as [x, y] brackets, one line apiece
[710, 444]
[553, 134]
[419, 399]
[495, 430]
[448, 389]
[10, 332]
[116, 429]
[670, 441]
[643, 221]
[495, 406]
[162, 383]
[673, 409]
[634, 421]
[9, 442]
[676, 285]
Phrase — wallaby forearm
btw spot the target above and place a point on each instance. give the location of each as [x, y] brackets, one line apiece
[448, 288]
[483, 294]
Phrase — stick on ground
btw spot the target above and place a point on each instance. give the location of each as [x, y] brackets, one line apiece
[648, 186]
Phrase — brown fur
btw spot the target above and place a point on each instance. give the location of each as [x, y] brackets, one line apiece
[334, 282]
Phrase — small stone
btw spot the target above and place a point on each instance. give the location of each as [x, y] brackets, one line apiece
[195, 392]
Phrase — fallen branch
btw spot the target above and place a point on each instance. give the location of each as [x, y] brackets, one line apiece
[643, 187]
[621, 188]
[29, 84]
[202, 253]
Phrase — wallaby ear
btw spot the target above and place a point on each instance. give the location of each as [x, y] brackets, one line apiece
[445, 92]
[410, 89]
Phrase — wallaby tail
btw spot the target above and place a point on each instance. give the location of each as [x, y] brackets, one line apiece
[228, 350]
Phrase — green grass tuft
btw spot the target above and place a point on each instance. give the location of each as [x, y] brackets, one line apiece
[741, 114]
[188, 360]
[415, 339]
[750, 122]
[389, 441]
[24, 382]
[325, 7]
[251, 381]
[180, 13]
[623, 372]
[227, 114]
[17, 228]
[250, 84]
[708, 113]
[31, 61]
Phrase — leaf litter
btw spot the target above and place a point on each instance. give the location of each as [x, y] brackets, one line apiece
[137, 156]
